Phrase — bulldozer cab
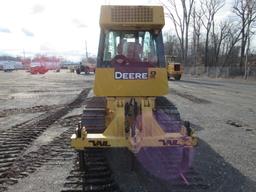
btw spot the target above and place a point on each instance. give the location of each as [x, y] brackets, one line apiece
[130, 58]
[138, 48]
[170, 59]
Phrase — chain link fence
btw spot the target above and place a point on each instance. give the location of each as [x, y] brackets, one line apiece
[220, 71]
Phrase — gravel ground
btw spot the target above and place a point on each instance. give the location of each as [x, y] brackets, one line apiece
[21, 89]
[20, 92]
[9, 121]
[222, 112]
[50, 177]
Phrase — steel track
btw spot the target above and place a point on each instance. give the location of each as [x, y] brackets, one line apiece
[97, 175]
[195, 180]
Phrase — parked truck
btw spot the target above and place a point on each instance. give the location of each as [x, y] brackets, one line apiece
[87, 68]
[8, 66]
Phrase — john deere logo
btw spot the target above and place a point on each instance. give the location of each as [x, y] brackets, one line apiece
[152, 75]
[134, 75]
[130, 76]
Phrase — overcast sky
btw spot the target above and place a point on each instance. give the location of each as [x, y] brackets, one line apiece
[58, 27]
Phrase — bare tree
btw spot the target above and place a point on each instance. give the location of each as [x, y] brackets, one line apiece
[174, 15]
[187, 6]
[181, 22]
[171, 45]
[196, 18]
[246, 11]
[209, 9]
[212, 42]
[232, 37]
[218, 39]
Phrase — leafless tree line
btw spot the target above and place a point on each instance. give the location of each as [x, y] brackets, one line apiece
[201, 39]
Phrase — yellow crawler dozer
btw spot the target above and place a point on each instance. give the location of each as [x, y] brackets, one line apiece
[128, 109]
[174, 69]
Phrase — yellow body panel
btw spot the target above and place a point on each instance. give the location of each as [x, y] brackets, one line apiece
[116, 118]
[148, 133]
[101, 141]
[170, 62]
[170, 69]
[131, 17]
[98, 140]
[106, 85]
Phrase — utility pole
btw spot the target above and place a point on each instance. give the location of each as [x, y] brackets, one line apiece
[24, 54]
[86, 51]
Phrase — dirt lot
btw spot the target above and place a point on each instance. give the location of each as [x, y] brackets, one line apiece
[223, 113]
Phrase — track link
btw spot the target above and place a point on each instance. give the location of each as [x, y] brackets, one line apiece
[94, 113]
[172, 124]
[97, 175]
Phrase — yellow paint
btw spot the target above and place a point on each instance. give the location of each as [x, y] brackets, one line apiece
[106, 85]
[148, 132]
[150, 127]
[170, 69]
[170, 62]
[132, 17]
[116, 126]
[80, 144]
